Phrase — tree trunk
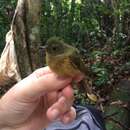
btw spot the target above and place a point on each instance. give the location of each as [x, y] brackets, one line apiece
[26, 26]
[26, 35]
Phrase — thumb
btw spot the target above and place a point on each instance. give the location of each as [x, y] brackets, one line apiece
[39, 82]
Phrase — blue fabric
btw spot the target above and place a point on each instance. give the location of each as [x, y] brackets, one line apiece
[87, 118]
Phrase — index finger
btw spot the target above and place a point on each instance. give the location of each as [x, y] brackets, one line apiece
[41, 81]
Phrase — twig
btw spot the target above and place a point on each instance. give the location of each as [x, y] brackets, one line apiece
[110, 115]
[121, 104]
[119, 123]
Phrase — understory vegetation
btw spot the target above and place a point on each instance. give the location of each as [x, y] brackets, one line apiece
[100, 29]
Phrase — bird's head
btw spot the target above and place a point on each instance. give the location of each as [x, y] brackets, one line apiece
[55, 46]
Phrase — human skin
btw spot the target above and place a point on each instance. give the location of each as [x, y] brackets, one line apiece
[37, 100]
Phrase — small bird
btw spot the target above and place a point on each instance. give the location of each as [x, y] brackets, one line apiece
[65, 60]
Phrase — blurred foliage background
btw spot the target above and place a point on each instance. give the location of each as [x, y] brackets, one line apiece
[100, 29]
[6, 13]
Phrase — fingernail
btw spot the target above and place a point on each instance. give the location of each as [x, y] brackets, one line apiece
[62, 99]
[54, 114]
[66, 120]
[63, 102]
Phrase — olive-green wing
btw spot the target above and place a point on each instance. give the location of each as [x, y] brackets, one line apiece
[76, 61]
[86, 83]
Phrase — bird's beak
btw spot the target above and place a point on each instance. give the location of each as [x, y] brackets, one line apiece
[43, 47]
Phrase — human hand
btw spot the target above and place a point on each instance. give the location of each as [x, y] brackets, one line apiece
[37, 100]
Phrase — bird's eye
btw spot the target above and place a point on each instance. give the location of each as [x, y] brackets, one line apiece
[54, 48]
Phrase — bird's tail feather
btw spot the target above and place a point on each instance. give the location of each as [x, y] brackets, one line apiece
[86, 86]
